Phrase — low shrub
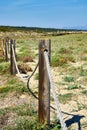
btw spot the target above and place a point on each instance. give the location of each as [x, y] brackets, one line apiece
[60, 60]
[65, 50]
[26, 59]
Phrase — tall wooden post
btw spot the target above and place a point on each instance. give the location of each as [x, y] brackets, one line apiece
[44, 86]
[6, 50]
[14, 46]
[12, 64]
[3, 48]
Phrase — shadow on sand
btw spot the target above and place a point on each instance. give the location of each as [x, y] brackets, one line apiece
[74, 119]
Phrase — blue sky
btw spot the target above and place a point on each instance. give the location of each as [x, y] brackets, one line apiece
[43, 13]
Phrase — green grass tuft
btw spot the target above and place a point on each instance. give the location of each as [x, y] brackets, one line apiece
[73, 86]
[65, 98]
[84, 92]
[36, 76]
[69, 79]
[4, 67]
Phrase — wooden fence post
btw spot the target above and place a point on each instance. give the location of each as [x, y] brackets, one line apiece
[12, 64]
[3, 48]
[44, 86]
[6, 50]
[14, 46]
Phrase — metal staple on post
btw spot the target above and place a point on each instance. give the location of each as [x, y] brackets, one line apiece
[59, 113]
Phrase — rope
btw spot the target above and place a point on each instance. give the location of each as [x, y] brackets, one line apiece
[15, 60]
[28, 87]
[29, 77]
[59, 113]
[16, 63]
[29, 81]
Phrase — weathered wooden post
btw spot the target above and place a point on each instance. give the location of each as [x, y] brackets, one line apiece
[44, 86]
[14, 46]
[3, 48]
[6, 50]
[12, 64]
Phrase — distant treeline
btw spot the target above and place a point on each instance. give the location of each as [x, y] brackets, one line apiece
[35, 29]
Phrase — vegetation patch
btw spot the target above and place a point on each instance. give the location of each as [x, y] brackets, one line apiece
[73, 86]
[26, 59]
[84, 92]
[24, 68]
[69, 79]
[65, 97]
[83, 72]
[65, 51]
[84, 125]
[84, 58]
[23, 123]
[25, 119]
[36, 76]
[61, 60]
[13, 85]
[4, 67]
[24, 110]
[81, 106]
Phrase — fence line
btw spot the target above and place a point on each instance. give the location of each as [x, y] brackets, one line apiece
[59, 113]
[47, 79]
